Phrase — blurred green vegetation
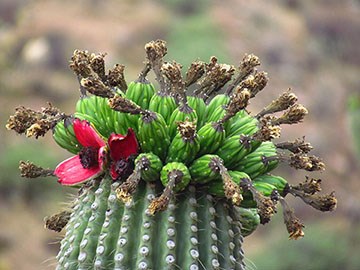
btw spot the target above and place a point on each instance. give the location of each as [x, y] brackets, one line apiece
[196, 37]
[324, 247]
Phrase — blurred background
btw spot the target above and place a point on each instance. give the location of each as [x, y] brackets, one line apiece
[310, 46]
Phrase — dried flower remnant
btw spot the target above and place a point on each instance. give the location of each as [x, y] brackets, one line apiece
[305, 162]
[125, 191]
[187, 130]
[215, 77]
[267, 131]
[255, 83]
[30, 170]
[80, 63]
[116, 77]
[34, 123]
[172, 71]
[293, 224]
[232, 191]
[96, 87]
[57, 221]
[194, 73]
[309, 186]
[324, 203]
[283, 102]
[239, 101]
[161, 203]
[295, 114]
[155, 51]
[97, 64]
[297, 146]
[266, 206]
[246, 67]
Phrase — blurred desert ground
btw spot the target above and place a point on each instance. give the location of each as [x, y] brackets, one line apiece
[310, 46]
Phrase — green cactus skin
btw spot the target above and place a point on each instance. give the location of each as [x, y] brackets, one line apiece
[75, 229]
[199, 106]
[197, 231]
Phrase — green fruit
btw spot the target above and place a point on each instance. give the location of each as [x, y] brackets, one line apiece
[151, 166]
[217, 114]
[183, 149]
[121, 122]
[163, 105]
[178, 170]
[97, 108]
[250, 219]
[141, 93]
[219, 101]
[211, 136]
[205, 169]
[199, 106]
[265, 188]
[277, 181]
[255, 163]
[106, 121]
[235, 148]
[181, 113]
[153, 134]
[244, 124]
[217, 187]
[88, 118]
[64, 136]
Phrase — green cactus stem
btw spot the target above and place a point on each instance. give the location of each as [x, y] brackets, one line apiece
[197, 231]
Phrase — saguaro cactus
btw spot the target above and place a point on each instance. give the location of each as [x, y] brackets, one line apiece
[190, 178]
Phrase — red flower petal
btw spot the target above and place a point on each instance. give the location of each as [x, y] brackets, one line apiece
[86, 134]
[71, 172]
[113, 173]
[121, 147]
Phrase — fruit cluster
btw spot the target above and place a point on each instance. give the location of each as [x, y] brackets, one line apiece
[205, 143]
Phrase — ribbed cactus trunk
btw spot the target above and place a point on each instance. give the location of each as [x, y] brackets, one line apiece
[198, 232]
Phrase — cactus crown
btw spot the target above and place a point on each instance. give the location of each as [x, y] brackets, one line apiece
[146, 156]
